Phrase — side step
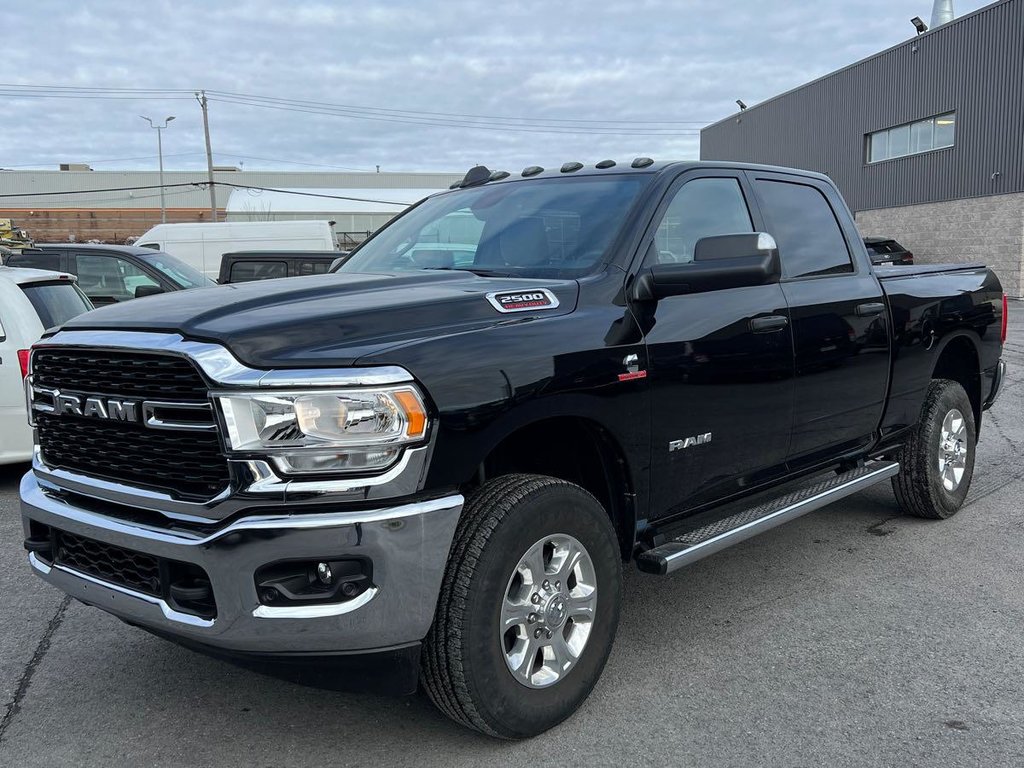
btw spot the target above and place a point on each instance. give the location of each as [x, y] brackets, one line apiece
[718, 535]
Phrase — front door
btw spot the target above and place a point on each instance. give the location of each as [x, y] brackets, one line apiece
[720, 363]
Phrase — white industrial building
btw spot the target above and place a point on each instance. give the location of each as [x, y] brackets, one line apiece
[116, 206]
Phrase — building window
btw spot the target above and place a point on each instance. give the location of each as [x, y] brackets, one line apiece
[912, 138]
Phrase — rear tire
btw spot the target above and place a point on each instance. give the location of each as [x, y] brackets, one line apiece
[937, 462]
[519, 537]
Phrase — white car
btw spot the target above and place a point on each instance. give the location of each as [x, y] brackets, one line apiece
[31, 301]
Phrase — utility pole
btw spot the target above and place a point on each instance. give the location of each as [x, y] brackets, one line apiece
[160, 154]
[201, 98]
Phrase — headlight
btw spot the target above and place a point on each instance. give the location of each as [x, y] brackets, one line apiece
[325, 430]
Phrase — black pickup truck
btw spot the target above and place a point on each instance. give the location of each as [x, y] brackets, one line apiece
[419, 470]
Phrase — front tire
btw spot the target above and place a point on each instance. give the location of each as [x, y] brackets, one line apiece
[528, 608]
[937, 462]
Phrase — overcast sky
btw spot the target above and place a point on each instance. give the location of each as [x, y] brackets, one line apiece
[648, 64]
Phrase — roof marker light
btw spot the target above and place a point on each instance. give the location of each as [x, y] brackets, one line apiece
[571, 167]
[642, 162]
[606, 164]
[499, 175]
[532, 170]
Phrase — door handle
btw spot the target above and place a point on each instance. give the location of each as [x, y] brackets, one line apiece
[869, 309]
[768, 324]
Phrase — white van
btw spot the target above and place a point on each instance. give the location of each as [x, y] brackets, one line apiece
[31, 301]
[201, 245]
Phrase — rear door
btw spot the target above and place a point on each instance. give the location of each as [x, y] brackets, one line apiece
[721, 383]
[838, 314]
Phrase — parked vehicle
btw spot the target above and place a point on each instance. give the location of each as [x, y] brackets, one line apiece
[31, 301]
[201, 245]
[885, 251]
[245, 266]
[436, 473]
[112, 273]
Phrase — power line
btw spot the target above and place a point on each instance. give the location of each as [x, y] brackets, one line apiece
[446, 123]
[204, 185]
[531, 124]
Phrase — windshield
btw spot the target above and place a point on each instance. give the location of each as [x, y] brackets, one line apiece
[556, 228]
[56, 303]
[176, 270]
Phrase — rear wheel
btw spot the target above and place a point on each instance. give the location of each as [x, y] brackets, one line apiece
[528, 607]
[937, 463]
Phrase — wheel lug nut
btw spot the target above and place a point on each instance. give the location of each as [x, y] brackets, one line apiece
[558, 585]
[532, 618]
[547, 584]
[535, 598]
[537, 633]
[549, 634]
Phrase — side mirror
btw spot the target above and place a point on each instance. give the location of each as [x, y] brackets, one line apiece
[147, 290]
[339, 261]
[719, 262]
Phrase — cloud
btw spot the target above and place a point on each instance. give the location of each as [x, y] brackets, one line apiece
[642, 61]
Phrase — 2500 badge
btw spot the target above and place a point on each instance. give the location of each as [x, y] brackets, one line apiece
[521, 301]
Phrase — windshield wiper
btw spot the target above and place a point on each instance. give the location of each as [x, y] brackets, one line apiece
[474, 270]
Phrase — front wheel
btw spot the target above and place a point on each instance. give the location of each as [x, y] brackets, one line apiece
[528, 607]
[937, 462]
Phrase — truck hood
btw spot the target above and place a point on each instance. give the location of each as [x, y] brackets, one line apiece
[326, 320]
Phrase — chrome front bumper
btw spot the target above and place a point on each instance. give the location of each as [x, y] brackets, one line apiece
[407, 544]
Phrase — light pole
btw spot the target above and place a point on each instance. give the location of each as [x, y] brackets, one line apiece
[160, 153]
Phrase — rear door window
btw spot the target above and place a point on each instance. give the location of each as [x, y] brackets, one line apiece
[44, 260]
[805, 228]
[245, 271]
[56, 303]
[315, 267]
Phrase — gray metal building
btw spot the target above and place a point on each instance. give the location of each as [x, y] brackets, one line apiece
[925, 139]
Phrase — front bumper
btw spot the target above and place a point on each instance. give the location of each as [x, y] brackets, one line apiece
[408, 545]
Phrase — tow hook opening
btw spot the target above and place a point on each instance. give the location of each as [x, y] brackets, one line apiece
[315, 581]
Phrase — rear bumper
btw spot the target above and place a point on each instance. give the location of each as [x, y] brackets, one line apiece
[407, 544]
[996, 375]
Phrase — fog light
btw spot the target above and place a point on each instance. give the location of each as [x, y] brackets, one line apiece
[323, 572]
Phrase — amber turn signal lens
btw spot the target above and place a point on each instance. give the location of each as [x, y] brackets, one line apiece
[415, 414]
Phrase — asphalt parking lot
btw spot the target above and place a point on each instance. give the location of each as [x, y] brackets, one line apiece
[853, 636]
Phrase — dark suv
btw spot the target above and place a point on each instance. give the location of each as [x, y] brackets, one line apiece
[112, 273]
[886, 251]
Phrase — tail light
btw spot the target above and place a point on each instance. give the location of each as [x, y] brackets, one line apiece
[23, 357]
[1006, 319]
[909, 258]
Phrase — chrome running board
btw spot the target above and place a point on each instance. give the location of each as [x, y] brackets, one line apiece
[717, 535]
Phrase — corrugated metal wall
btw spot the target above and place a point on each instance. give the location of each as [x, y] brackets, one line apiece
[973, 66]
[22, 183]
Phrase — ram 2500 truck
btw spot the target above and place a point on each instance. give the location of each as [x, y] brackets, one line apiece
[431, 465]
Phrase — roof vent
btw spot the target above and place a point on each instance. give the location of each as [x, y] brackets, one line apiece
[642, 162]
[571, 167]
[75, 167]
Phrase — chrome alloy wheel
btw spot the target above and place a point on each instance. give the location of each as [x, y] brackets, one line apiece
[548, 610]
[953, 447]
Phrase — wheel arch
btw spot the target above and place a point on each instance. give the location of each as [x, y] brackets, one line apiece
[578, 449]
[958, 357]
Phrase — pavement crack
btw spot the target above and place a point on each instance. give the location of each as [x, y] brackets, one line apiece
[26, 676]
